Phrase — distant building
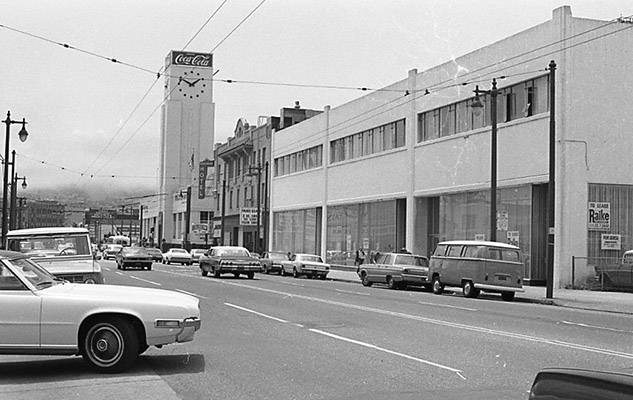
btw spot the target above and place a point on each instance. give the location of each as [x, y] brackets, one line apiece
[40, 213]
[103, 223]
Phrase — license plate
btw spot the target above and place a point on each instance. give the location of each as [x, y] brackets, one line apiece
[502, 278]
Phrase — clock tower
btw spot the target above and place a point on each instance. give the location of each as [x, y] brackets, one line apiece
[186, 140]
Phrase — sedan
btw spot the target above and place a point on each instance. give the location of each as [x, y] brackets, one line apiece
[109, 326]
[156, 254]
[196, 253]
[271, 261]
[181, 256]
[134, 257]
[111, 251]
[309, 265]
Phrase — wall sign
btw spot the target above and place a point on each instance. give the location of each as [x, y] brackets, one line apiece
[502, 221]
[192, 59]
[599, 216]
[610, 242]
[248, 216]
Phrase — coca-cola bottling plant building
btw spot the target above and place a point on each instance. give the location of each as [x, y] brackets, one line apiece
[409, 166]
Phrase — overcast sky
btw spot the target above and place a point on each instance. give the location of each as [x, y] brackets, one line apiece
[76, 103]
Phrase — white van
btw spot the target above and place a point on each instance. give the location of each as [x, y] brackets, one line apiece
[64, 252]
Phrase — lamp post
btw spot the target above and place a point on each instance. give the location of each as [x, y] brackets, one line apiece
[549, 249]
[477, 106]
[23, 134]
[257, 171]
[14, 194]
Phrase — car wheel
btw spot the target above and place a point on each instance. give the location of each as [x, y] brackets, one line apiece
[236, 274]
[507, 296]
[469, 289]
[216, 273]
[438, 287]
[391, 284]
[142, 349]
[250, 275]
[364, 279]
[322, 277]
[149, 268]
[295, 274]
[204, 273]
[110, 346]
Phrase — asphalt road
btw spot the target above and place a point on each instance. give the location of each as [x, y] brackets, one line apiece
[283, 338]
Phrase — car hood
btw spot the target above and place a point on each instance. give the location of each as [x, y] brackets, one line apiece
[114, 294]
[69, 266]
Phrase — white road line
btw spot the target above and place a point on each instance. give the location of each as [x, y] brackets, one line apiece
[596, 327]
[447, 305]
[488, 331]
[395, 353]
[119, 273]
[291, 283]
[191, 294]
[145, 280]
[257, 313]
[106, 268]
[351, 292]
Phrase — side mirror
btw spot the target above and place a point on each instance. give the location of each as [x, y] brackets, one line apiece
[559, 383]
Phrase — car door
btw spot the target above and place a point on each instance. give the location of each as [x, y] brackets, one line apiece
[19, 312]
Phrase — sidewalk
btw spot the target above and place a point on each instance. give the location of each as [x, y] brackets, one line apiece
[615, 302]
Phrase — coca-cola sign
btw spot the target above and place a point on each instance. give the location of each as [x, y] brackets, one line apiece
[191, 59]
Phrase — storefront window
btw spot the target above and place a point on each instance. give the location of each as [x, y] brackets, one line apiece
[295, 231]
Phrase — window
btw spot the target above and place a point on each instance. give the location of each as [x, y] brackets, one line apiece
[447, 120]
[237, 199]
[454, 251]
[378, 132]
[510, 255]
[463, 117]
[400, 133]
[358, 145]
[474, 251]
[173, 235]
[293, 163]
[8, 281]
[440, 250]
[231, 199]
[540, 95]
[494, 254]
[368, 142]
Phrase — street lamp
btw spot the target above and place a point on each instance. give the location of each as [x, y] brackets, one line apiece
[257, 171]
[23, 134]
[477, 108]
[14, 194]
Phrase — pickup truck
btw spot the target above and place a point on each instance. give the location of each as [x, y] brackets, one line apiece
[229, 259]
[309, 265]
[396, 270]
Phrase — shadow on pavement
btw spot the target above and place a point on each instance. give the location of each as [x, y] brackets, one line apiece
[175, 363]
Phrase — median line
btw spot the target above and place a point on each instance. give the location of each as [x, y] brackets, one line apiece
[446, 305]
[191, 294]
[283, 321]
[145, 280]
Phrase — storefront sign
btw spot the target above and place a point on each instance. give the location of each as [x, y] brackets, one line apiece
[199, 229]
[248, 216]
[502, 221]
[599, 216]
[365, 243]
[610, 242]
[480, 236]
[217, 229]
[513, 237]
[191, 59]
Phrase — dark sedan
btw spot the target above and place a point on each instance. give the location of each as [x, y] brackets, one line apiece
[133, 257]
[155, 253]
[271, 261]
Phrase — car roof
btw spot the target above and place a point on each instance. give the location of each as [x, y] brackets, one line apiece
[229, 247]
[307, 254]
[479, 243]
[402, 254]
[46, 231]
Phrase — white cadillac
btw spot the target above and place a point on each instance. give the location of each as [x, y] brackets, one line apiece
[109, 326]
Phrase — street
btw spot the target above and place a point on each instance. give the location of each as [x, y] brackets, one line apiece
[283, 338]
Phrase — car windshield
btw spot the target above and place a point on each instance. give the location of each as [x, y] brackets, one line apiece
[197, 251]
[34, 273]
[153, 251]
[115, 248]
[51, 245]
[278, 256]
[406, 259]
[309, 258]
[233, 252]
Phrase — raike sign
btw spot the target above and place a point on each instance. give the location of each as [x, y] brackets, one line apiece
[599, 216]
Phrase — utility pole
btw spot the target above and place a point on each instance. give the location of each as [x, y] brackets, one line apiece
[549, 249]
[223, 208]
[266, 206]
[186, 243]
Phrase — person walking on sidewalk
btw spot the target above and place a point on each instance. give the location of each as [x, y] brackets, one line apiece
[360, 259]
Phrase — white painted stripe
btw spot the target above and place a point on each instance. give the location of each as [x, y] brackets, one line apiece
[395, 353]
[106, 268]
[290, 283]
[596, 327]
[488, 331]
[257, 313]
[191, 294]
[447, 305]
[117, 272]
[145, 280]
[351, 292]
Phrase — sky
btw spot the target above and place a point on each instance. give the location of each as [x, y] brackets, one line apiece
[86, 120]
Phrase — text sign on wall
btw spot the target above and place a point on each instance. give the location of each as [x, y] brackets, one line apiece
[192, 59]
[599, 216]
[610, 242]
[248, 216]
[199, 229]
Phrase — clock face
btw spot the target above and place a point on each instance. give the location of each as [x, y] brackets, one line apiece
[192, 85]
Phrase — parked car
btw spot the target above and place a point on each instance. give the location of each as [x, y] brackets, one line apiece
[65, 252]
[229, 259]
[109, 326]
[617, 276]
[110, 251]
[177, 255]
[196, 253]
[133, 257]
[271, 261]
[581, 384]
[156, 254]
[309, 265]
[396, 270]
[475, 266]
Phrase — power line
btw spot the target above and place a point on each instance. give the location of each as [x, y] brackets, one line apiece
[237, 26]
[204, 25]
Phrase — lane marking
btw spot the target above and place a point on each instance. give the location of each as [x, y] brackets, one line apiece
[106, 268]
[145, 280]
[553, 342]
[191, 294]
[257, 313]
[290, 283]
[395, 353]
[351, 292]
[447, 305]
[119, 273]
[596, 327]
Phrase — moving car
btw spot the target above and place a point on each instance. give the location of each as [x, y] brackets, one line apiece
[477, 265]
[109, 326]
[196, 253]
[133, 257]
[396, 270]
[64, 252]
[110, 251]
[229, 259]
[271, 261]
[309, 265]
[156, 254]
[177, 255]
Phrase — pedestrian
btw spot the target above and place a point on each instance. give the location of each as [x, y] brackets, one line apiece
[360, 259]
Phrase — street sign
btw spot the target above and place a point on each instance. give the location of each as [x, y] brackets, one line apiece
[200, 229]
[248, 216]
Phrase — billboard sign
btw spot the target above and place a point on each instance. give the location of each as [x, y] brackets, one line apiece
[192, 59]
[248, 216]
[599, 216]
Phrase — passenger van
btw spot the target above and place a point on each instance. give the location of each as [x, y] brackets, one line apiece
[475, 266]
[64, 252]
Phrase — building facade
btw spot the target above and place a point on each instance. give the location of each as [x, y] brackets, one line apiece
[409, 165]
[33, 213]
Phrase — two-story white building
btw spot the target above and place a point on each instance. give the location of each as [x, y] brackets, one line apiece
[409, 165]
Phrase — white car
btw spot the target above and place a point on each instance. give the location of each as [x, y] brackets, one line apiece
[109, 326]
[177, 255]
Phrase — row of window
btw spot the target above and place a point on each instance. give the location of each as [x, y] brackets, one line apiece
[375, 140]
[239, 165]
[299, 161]
[517, 101]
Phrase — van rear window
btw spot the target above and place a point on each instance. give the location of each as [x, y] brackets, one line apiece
[440, 250]
[510, 255]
